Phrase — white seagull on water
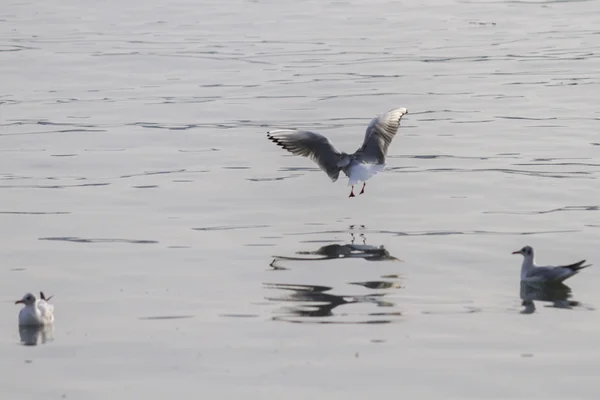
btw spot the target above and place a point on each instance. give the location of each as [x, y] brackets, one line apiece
[550, 274]
[365, 162]
[37, 312]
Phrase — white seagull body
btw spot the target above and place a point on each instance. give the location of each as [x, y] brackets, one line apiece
[365, 162]
[548, 274]
[37, 312]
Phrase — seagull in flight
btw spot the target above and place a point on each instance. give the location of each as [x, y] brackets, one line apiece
[359, 166]
[550, 274]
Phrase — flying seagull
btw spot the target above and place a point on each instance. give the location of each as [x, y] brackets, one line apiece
[550, 274]
[365, 162]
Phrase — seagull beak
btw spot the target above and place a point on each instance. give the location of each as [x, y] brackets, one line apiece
[516, 252]
[19, 302]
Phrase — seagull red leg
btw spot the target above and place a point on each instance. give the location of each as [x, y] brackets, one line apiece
[352, 192]
[363, 188]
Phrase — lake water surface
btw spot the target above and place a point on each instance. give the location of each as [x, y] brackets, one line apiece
[137, 187]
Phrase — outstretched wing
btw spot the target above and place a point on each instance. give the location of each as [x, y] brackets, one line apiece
[379, 135]
[309, 144]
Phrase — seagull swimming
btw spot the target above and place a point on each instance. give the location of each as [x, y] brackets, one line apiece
[365, 162]
[532, 273]
[37, 312]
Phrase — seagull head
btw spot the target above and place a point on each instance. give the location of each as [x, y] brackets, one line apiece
[526, 252]
[28, 300]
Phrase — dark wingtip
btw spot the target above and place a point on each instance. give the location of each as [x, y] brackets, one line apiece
[43, 297]
[272, 138]
[578, 266]
[277, 142]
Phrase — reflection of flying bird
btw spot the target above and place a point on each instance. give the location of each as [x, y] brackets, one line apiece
[533, 273]
[378, 284]
[320, 304]
[333, 251]
[313, 301]
[365, 162]
[364, 251]
[351, 250]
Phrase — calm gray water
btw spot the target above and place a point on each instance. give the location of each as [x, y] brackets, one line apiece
[137, 186]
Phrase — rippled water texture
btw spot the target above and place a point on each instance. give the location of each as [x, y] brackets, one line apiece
[189, 256]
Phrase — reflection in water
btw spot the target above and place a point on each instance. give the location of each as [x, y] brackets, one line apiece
[312, 301]
[378, 284]
[556, 293]
[350, 250]
[34, 335]
[305, 302]
[320, 303]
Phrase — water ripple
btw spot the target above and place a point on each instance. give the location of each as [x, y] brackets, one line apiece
[438, 232]
[165, 317]
[230, 227]
[561, 209]
[540, 174]
[51, 186]
[36, 212]
[91, 240]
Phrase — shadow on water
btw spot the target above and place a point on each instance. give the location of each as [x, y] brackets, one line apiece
[35, 335]
[316, 303]
[558, 294]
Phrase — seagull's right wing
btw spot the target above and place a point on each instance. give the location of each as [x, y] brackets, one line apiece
[309, 144]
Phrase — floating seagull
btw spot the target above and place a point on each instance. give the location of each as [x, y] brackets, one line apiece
[36, 312]
[532, 273]
[365, 162]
